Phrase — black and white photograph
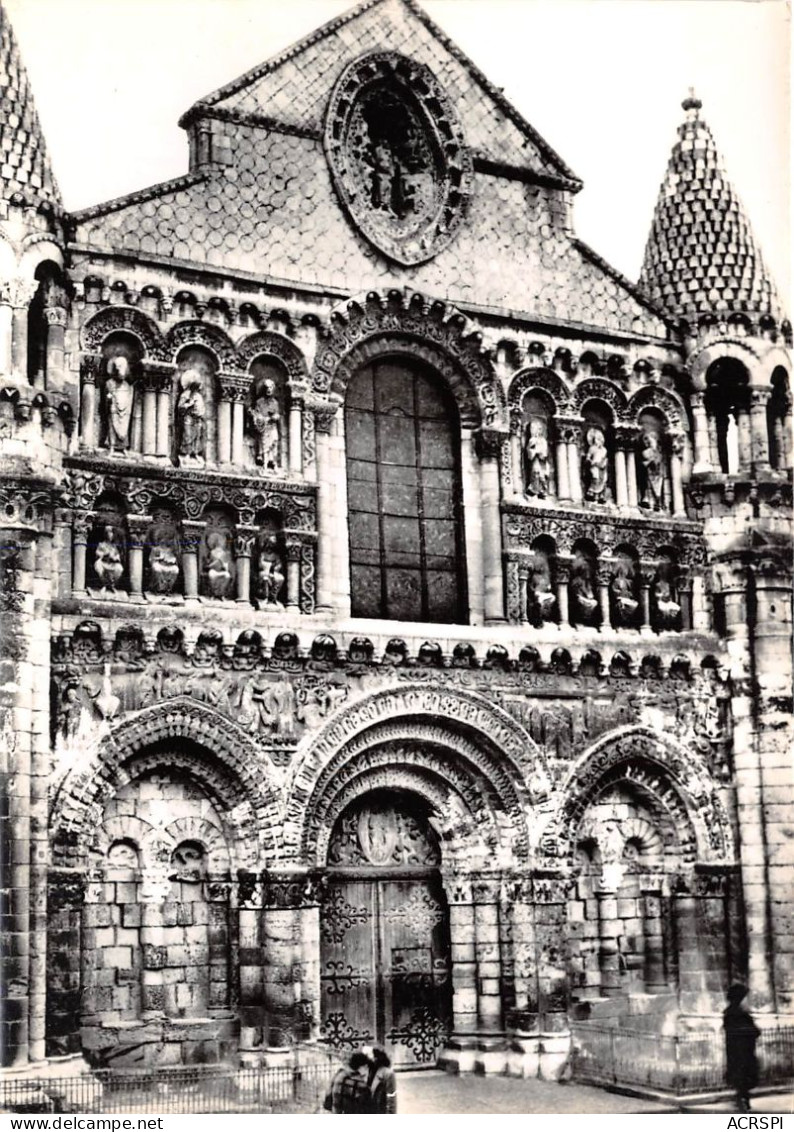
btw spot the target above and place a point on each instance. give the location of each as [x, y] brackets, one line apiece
[395, 558]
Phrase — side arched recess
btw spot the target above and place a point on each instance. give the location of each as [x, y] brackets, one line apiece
[208, 748]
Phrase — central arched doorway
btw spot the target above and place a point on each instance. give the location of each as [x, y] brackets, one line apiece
[384, 931]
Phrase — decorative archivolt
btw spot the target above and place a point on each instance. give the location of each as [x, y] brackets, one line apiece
[654, 397]
[599, 389]
[112, 320]
[194, 739]
[676, 779]
[266, 343]
[497, 751]
[738, 350]
[545, 380]
[210, 337]
[407, 323]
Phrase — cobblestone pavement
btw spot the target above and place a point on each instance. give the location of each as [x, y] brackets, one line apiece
[443, 1093]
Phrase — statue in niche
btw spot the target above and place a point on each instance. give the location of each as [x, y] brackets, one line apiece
[653, 472]
[191, 415]
[541, 595]
[269, 580]
[119, 397]
[70, 713]
[667, 608]
[163, 560]
[536, 455]
[266, 419]
[583, 589]
[622, 588]
[122, 855]
[218, 568]
[398, 156]
[596, 464]
[108, 563]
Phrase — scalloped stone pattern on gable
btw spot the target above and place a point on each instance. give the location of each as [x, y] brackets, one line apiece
[296, 92]
[275, 213]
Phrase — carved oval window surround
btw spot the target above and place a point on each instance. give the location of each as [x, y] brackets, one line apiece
[397, 156]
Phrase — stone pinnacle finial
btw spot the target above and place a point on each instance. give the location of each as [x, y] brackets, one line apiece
[692, 102]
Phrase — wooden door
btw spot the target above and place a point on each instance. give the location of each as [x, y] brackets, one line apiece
[385, 973]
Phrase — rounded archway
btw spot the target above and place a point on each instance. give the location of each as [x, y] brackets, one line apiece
[385, 970]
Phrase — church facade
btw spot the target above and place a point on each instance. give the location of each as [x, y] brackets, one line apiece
[396, 600]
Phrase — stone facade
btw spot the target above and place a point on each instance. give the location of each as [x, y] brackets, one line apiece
[356, 360]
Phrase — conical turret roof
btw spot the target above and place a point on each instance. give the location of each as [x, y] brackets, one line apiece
[701, 256]
[25, 173]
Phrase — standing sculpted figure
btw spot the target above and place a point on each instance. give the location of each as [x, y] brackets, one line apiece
[191, 414]
[653, 467]
[119, 397]
[536, 453]
[597, 463]
[266, 418]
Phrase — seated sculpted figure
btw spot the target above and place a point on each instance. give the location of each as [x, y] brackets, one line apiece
[541, 593]
[270, 573]
[583, 590]
[623, 593]
[218, 566]
[667, 607]
[108, 564]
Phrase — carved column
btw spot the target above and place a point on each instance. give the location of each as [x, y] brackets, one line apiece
[22, 293]
[759, 399]
[684, 590]
[563, 478]
[608, 933]
[323, 420]
[562, 576]
[162, 378]
[280, 955]
[572, 431]
[138, 526]
[647, 574]
[293, 552]
[489, 443]
[746, 442]
[653, 935]
[463, 954]
[238, 427]
[701, 435]
[622, 443]
[89, 368]
[690, 963]
[631, 473]
[192, 533]
[487, 954]
[676, 456]
[226, 390]
[81, 525]
[244, 541]
[604, 568]
[65, 890]
[149, 437]
[308, 981]
[296, 404]
[523, 582]
[5, 328]
[55, 317]
[517, 471]
[155, 889]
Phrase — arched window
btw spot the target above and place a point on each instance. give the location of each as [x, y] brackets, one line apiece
[779, 420]
[404, 495]
[728, 408]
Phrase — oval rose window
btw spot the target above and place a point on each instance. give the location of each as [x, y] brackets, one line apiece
[397, 156]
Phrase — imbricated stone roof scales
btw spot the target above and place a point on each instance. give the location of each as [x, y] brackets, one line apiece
[701, 256]
[26, 176]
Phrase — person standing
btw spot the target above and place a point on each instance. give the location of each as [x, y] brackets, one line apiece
[741, 1034]
[349, 1092]
[382, 1082]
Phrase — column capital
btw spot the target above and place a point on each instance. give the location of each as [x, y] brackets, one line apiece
[488, 442]
[158, 375]
[90, 368]
[244, 540]
[55, 316]
[233, 387]
[324, 411]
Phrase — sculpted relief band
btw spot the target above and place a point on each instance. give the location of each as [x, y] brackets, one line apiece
[397, 599]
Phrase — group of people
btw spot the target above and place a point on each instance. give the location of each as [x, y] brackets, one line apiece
[366, 1084]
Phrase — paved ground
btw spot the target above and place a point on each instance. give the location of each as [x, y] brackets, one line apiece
[441, 1093]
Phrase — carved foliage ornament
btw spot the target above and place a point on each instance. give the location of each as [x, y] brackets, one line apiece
[397, 155]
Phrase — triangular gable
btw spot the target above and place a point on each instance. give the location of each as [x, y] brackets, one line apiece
[293, 88]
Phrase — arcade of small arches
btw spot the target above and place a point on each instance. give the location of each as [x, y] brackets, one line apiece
[195, 929]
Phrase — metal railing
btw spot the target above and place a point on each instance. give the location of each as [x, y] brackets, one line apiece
[296, 1087]
[677, 1063]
